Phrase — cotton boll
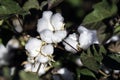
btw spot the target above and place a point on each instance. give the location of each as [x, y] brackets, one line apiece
[13, 43]
[87, 37]
[46, 35]
[57, 21]
[65, 73]
[47, 49]
[28, 67]
[17, 23]
[59, 36]
[44, 22]
[42, 59]
[33, 46]
[72, 43]
[42, 69]
[82, 29]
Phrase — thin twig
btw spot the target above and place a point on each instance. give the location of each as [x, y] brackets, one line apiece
[70, 45]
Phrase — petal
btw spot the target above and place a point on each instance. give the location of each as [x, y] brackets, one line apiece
[47, 49]
[44, 22]
[33, 46]
[57, 21]
[46, 35]
[59, 36]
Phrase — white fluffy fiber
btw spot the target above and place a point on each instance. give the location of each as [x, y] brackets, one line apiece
[47, 49]
[58, 36]
[51, 27]
[71, 40]
[87, 37]
[33, 46]
[45, 22]
[42, 59]
[57, 21]
[46, 35]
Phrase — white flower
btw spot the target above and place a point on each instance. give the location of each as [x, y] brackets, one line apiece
[33, 46]
[65, 73]
[51, 27]
[13, 43]
[47, 49]
[17, 24]
[72, 43]
[87, 37]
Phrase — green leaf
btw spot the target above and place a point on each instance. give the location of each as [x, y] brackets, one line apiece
[117, 29]
[9, 7]
[102, 49]
[75, 2]
[28, 76]
[87, 72]
[116, 57]
[89, 61]
[101, 11]
[53, 3]
[31, 4]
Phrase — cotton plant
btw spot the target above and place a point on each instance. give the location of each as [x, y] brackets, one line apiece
[39, 54]
[74, 43]
[51, 27]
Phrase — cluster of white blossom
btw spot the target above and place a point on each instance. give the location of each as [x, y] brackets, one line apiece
[51, 30]
[85, 38]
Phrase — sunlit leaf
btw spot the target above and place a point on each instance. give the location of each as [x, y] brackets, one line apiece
[115, 57]
[31, 4]
[9, 7]
[87, 73]
[53, 3]
[101, 11]
[1, 21]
